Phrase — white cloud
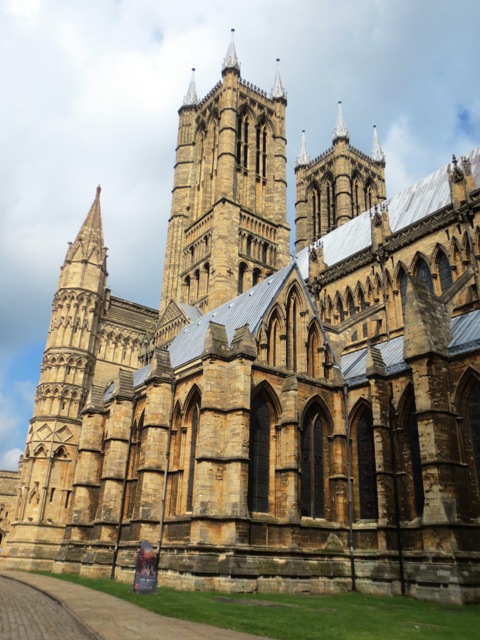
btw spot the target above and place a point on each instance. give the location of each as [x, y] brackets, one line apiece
[9, 459]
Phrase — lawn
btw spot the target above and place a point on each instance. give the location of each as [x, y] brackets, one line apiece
[351, 616]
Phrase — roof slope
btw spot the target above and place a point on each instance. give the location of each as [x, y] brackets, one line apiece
[405, 208]
[248, 308]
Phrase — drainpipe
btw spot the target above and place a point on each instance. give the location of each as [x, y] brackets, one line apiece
[165, 476]
[124, 493]
[349, 486]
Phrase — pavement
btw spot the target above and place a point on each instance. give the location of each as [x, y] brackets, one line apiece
[36, 607]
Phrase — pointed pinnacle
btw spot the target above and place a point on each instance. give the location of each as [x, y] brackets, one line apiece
[278, 90]
[341, 131]
[231, 60]
[91, 231]
[377, 153]
[191, 99]
[303, 158]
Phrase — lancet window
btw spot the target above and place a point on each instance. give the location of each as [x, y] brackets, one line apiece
[312, 464]
[367, 481]
[261, 418]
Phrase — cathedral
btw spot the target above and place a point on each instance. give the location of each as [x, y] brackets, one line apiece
[304, 423]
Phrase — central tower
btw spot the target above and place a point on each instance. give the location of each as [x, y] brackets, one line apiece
[228, 227]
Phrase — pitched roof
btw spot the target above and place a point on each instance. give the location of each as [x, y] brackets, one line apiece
[249, 308]
[465, 331]
[405, 208]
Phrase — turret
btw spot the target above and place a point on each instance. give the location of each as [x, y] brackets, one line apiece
[65, 378]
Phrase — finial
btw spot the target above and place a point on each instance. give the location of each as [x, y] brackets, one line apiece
[231, 61]
[341, 131]
[99, 190]
[377, 153]
[191, 99]
[278, 90]
[303, 158]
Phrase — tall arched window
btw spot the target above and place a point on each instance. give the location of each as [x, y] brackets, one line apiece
[242, 269]
[242, 141]
[422, 273]
[313, 346]
[444, 271]
[261, 150]
[193, 418]
[273, 342]
[402, 286]
[367, 480]
[314, 196]
[474, 424]
[415, 456]
[259, 470]
[312, 465]
[256, 276]
[291, 330]
[187, 290]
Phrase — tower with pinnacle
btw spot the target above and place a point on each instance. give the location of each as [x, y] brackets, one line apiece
[337, 185]
[65, 377]
[228, 228]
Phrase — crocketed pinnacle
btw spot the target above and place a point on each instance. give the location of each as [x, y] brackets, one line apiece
[341, 131]
[231, 61]
[191, 99]
[303, 158]
[90, 236]
[278, 90]
[377, 153]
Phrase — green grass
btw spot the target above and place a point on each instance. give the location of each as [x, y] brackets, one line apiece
[350, 616]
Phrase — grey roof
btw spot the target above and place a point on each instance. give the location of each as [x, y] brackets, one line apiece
[465, 333]
[465, 337]
[248, 308]
[191, 312]
[140, 376]
[405, 208]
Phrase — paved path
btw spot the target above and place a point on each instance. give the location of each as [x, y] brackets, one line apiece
[83, 613]
[26, 613]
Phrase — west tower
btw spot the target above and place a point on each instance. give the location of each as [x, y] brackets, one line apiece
[336, 186]
[228, 228]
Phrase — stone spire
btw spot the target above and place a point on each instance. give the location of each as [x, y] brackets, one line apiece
[90, 236]
[340, 131]
[231, 61]
[377, 153]
[278, 90]
[191, 99]
[303, 158]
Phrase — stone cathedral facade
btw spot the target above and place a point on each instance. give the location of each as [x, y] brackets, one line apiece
[303, 424]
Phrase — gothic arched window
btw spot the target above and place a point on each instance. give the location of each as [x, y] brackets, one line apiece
[444, 271]
[402, 286]
[313, 346]
[273, 342]
[422, 273]
[242, 269]
[367, 480]
[259, 470]
[193, 418]
[291, 331]
[312, 465]
[261, 150]
[474, 423]
[242, 141]
[415, 457]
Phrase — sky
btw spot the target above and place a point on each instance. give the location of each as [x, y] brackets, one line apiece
[90, 93]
